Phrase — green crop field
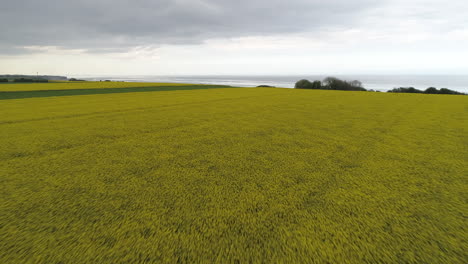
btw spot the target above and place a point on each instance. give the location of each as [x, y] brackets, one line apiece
[31, 90]
[232, 175]
[11, 86]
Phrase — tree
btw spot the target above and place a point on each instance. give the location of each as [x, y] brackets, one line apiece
[356, 84]
[303, 84]
[333, 83]
[317, 85]
[306, 84]
[405, 90]
[330, 82]
[448, 91]
[431, 90]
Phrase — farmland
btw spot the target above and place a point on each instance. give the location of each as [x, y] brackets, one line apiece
[30, 90]
[78, 85]
[232, 175]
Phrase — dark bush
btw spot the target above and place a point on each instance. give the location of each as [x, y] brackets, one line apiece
[431, 90]
[317, 85]
[267, 86]
[448, 91]
[303, 84]
[3, 80]
[405, 90]
[306, 84]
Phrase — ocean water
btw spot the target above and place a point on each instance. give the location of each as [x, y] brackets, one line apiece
[375, 82]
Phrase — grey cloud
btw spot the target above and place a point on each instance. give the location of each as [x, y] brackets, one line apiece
[116, 25]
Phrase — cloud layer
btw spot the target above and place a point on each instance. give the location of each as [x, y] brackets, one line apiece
[113, 25]
[233, 37]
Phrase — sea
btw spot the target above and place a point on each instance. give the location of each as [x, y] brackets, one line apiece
[376, 82]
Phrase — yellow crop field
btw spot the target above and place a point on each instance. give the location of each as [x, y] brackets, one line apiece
[234, 175]
[78, 85]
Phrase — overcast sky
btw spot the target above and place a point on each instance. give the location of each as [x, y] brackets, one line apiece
[161, 37]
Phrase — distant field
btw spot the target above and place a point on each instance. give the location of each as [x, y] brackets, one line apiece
[79, 85]
[233, 175]
[8, 95]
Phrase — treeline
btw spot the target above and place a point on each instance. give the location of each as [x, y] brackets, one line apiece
[25, 80]
[330, 83]
[430, 90]
[12, 77]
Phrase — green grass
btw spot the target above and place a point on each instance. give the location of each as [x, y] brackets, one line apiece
[234, 176]
[15, 87]
[5, 95]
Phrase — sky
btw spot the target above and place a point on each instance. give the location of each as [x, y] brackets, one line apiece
[226, 37]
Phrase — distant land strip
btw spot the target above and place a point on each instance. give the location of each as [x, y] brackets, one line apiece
[6, 95]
